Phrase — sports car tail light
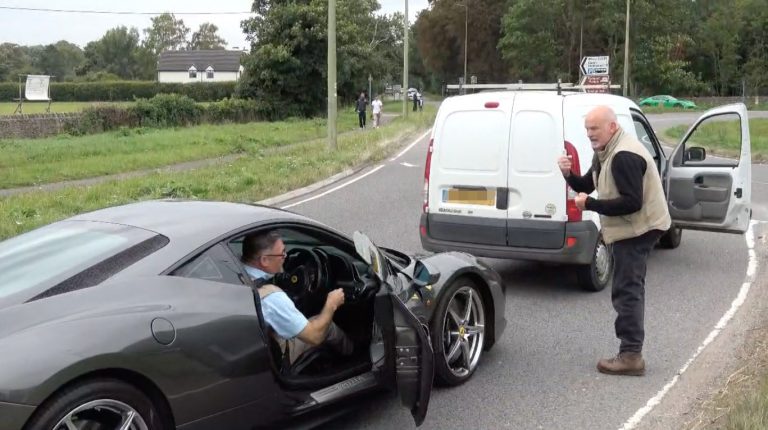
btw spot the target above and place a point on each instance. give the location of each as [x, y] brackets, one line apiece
[574, 213]
[427, 168]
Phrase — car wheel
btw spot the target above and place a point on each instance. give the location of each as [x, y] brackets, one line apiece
[458, 332]
[98, 404]
[671, 239]
[597, 275]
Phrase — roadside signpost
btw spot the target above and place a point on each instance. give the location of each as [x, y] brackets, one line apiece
[596, 73]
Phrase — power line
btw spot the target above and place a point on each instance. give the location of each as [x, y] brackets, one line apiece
[106, 12]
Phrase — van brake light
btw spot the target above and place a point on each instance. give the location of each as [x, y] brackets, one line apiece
[573, 212]
[427, 169]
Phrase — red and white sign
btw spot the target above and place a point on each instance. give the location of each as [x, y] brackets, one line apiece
[596, 84]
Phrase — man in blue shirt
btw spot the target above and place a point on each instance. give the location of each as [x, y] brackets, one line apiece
[263, 256]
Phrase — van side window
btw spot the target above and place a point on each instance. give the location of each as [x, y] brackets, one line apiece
[647, 137]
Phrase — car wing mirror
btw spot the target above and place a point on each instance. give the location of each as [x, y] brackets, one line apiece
[695, 153]
[425, 274]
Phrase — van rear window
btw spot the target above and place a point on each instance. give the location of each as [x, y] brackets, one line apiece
[473, 140]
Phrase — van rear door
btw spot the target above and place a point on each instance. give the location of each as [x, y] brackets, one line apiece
[537, 193]
[467, 189]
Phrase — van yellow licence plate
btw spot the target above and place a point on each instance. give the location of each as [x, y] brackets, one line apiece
[470, 196]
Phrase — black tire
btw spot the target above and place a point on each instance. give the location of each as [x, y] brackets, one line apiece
[445, 373]
[671, 239]
[111, 392]
[598, 274]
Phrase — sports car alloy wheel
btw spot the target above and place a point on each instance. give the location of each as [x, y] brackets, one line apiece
[102, 414]
[462, 315]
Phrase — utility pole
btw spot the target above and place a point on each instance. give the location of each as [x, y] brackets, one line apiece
[332, 105]
[405, 60]
[626, 54]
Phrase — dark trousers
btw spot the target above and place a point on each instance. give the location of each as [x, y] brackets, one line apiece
[361, 118]
[630, 257]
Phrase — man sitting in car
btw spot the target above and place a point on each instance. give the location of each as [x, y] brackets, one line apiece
[263, 256]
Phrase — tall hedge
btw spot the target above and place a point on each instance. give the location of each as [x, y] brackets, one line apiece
[112, 91]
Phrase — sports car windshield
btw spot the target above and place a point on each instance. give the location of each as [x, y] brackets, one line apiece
[370, 254]
[54, 252]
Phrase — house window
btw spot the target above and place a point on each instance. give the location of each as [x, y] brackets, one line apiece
[209, 73]
[192, 73]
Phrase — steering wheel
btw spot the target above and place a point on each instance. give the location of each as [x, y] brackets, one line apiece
[304, 272]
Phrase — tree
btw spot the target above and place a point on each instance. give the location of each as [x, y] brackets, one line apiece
[61, 60]
[119, 52]
[165, 33]
[287, 64]
[440, 39]
[206, 37]
[14, 60]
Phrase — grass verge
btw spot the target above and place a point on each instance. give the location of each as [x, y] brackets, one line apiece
[42, 161]
[258, 176]
[725, 138]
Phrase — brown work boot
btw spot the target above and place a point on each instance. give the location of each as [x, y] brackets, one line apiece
[626, 363]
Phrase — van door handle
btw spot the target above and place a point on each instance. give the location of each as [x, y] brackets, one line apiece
[502, 198]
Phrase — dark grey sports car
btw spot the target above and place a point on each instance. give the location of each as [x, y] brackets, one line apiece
[142, 317]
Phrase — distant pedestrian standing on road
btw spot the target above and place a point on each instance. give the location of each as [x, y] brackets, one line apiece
[633, 215]
[362, 104]
[416, 100]
[421, 101]
[376, 107]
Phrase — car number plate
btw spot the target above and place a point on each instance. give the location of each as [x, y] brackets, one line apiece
[470, 196]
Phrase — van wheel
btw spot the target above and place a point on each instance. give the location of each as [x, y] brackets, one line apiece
[671, 239]
[597, 275]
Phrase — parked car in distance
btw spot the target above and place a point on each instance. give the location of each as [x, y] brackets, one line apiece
[667, 101]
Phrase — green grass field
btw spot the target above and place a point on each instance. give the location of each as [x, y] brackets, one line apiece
[251, 178]
[39, 161]
[724, 138]
[7, 108]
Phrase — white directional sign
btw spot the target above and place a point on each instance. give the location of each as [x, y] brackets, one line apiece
[594, 66]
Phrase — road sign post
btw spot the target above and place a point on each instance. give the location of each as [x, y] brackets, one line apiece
[595, 66]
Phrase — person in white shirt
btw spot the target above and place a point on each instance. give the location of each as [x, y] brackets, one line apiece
[377, 105]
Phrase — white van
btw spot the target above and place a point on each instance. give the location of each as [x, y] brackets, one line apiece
[492, 186]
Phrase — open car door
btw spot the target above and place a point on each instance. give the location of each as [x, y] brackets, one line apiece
[409, 355]
[707, 191]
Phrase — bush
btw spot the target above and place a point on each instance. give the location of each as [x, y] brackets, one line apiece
[98, 119]
[124, 90]
[234, 110]
[167, 110]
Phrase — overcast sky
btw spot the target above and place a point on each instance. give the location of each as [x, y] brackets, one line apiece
[40, 28]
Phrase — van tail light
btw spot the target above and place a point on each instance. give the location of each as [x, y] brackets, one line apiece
[574, 213]
[427, 168]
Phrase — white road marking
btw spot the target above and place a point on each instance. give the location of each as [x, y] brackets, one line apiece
[411, 145]
[407, 164]
[372, 171]
[735, 305]
[336, 188]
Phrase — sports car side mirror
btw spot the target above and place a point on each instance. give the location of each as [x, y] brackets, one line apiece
[425, 274]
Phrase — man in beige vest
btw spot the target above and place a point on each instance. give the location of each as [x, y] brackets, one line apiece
[633, 216]
[263, 256]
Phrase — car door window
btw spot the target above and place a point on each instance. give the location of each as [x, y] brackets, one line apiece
[215, 264]
[720, 138]
[647, 137]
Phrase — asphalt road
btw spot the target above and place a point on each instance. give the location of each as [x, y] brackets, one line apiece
[541, 373]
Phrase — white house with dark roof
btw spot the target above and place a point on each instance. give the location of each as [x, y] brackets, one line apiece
[205, 65]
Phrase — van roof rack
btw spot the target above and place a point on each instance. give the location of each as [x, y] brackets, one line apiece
[559, 86]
